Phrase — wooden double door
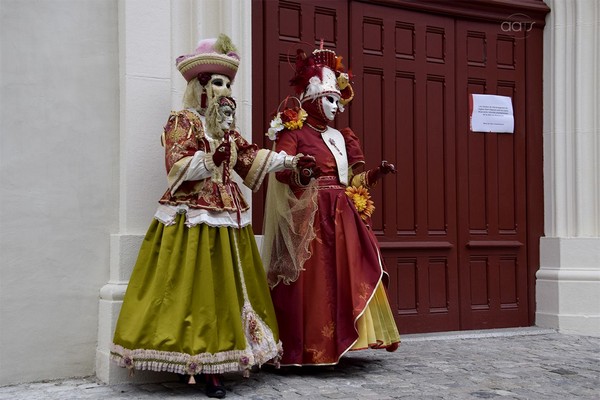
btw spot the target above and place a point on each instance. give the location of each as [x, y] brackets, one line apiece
[459, 224]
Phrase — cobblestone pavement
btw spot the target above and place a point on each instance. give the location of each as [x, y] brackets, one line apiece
[524, 363]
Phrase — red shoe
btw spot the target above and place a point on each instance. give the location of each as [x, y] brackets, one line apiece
[393, 347]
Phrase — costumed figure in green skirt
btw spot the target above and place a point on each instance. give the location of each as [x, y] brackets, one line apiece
[198, 300]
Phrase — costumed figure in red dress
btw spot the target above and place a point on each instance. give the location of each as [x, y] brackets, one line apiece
[323, 261]
[198, 301]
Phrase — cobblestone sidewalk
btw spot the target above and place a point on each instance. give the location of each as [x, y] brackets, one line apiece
[526, 363]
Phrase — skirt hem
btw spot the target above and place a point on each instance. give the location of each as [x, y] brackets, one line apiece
[186, 364]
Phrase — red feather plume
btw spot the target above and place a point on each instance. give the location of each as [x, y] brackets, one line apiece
[305, 69]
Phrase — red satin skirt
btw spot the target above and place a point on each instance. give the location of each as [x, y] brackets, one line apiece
[318, 313]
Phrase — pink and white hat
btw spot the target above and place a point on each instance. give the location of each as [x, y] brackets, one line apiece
[214, 56]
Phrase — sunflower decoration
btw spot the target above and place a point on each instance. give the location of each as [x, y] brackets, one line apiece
[293, 118]
[290, 118]
[362, 201]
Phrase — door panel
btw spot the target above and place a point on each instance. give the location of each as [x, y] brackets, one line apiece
[404, 80]
[491, 191]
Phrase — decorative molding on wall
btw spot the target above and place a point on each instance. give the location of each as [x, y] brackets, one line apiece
[571, 120]
[568, 282]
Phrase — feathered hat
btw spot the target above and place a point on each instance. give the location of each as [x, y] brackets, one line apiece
[321, 73]
[214, 56]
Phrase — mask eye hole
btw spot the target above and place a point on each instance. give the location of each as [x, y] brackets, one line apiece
[218, 82]
[228, 85]
[330, 99]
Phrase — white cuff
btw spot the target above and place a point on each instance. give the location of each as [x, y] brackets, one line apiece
[279, 162]
[198, 169]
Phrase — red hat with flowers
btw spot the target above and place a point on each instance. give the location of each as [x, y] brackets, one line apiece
[321, 73]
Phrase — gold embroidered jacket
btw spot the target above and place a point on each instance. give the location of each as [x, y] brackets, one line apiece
[183, 136]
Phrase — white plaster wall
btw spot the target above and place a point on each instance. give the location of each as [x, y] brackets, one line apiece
[59, 168]
[145, 103]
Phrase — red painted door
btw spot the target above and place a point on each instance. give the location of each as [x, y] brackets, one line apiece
[404, 78]
[492, 222]
[457, 233]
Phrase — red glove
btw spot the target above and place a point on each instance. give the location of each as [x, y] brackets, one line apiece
[307, 168]
[222, 153]
[374, 174]
[306, 162]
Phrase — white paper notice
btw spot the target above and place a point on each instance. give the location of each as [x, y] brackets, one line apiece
[491, 113]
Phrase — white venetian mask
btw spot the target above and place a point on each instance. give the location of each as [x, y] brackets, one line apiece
[226, 115]
[330, 106]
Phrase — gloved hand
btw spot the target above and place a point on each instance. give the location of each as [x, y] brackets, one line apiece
[307, 168]
[374, 174]
[305, 162]
[222, 153]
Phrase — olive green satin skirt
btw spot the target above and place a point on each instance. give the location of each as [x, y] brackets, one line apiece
[197, 301]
